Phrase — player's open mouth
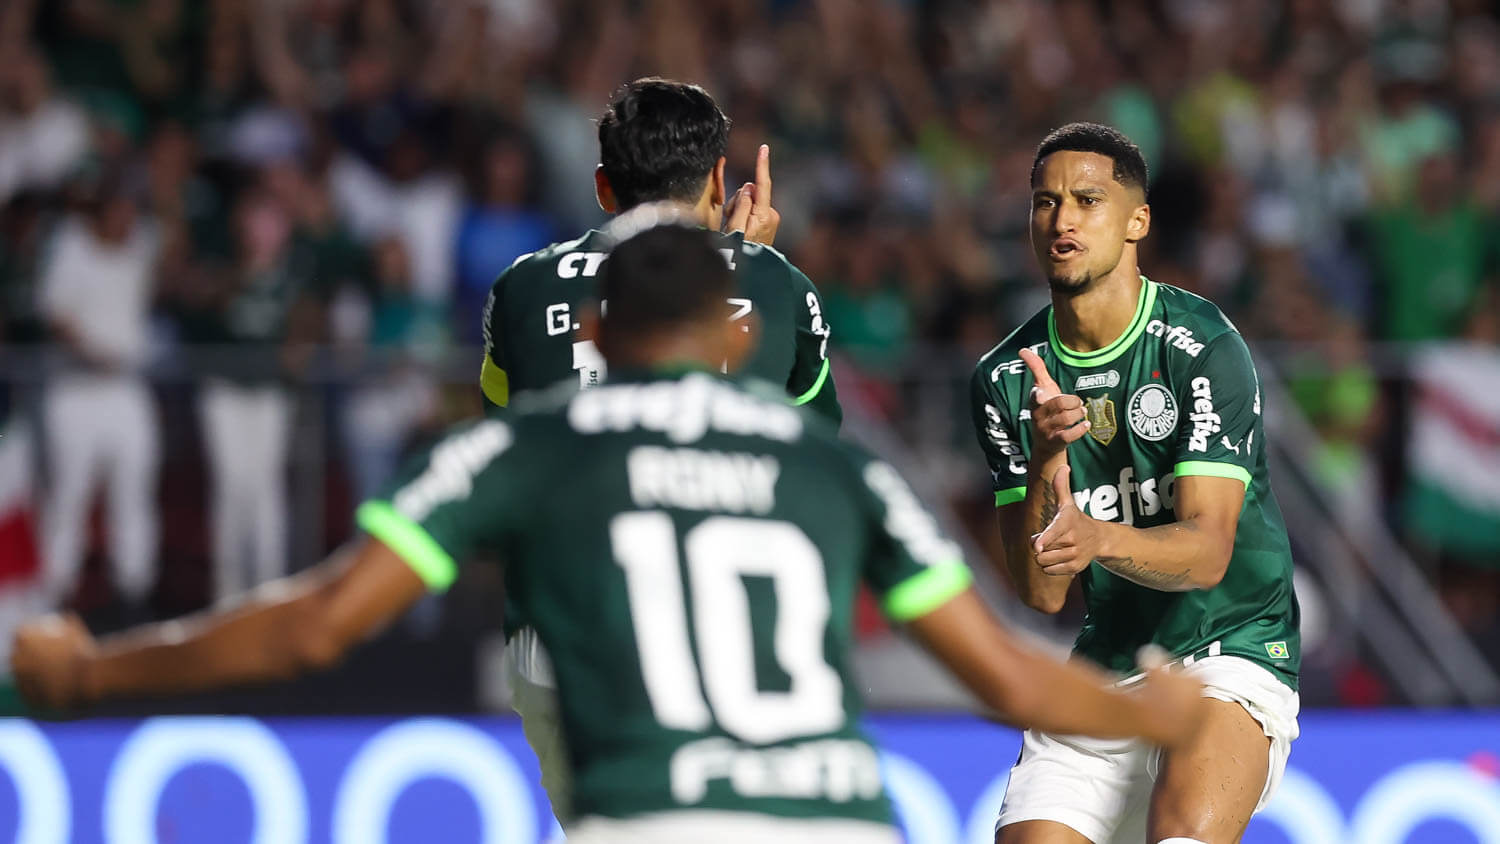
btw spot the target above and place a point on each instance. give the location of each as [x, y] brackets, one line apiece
[1064, 249]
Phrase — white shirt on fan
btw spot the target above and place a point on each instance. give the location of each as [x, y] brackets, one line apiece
[104, 290]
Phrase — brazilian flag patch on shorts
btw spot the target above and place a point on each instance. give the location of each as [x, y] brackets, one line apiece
[1277, 650]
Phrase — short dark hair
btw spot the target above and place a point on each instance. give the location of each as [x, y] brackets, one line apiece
[1130, 165]
[659, 139]
[662, 278]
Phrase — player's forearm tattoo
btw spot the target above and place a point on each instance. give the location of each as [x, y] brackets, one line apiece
[1127, 568]
[1049, 504]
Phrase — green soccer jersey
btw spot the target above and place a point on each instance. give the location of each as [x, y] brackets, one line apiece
[1175, 395]
[532, 312]
[689, 553]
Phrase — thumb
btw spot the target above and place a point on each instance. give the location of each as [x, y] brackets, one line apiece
[739, 210]
[1064, 489]
[1152, 657]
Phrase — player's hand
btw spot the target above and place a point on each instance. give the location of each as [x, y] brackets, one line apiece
[750, 210]
[1056, 417]
[47, 659]
[1069, 542]
[1174, 700]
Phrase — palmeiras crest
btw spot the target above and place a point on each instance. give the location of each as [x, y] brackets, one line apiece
[1101, 415]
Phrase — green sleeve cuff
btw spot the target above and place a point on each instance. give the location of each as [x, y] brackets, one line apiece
[411, 542]
[1010, 496]
[816, 388]
[1208, 468]
[922, 593]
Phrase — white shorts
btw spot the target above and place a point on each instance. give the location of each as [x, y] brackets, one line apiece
[541, 721]
[1102, 787]
[697, 827]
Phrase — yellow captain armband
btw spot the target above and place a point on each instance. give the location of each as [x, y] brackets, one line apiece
[494, 382]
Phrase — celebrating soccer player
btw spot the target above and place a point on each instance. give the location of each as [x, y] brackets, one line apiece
[659, 141]
[695, 708]
[1122, 426]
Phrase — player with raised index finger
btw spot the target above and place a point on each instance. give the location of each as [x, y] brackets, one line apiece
[1122, 427]
[698, 603]
[660, 141]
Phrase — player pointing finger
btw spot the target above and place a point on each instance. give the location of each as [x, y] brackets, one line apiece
[1056, 417]
[750, 210]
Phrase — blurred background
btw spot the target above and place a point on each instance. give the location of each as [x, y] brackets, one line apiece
[244, 246]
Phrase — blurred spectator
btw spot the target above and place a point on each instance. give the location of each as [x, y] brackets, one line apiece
[1431, 253]
[246, 407]
[871, 319]
[1329, 172]
[43, 137]
[406, 334]
[499, 222]
[96, 294]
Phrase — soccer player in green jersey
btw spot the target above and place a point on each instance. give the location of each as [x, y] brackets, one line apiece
[660, 141]
[1122, 426]
[697, 602]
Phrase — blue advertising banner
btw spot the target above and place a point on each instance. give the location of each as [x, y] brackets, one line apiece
[1377, 778]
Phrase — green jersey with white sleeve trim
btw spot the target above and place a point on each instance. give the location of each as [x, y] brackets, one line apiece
[1175, 395]
[689, 553]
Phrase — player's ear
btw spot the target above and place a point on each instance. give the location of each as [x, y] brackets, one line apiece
[716, 194]
[741, 337]
[604, 192]
[1139, 225]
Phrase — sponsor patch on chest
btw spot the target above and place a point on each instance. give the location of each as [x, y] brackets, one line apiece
[1100, 412]
[1095, 380]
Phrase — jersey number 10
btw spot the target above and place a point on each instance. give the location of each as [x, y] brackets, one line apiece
[720, 552]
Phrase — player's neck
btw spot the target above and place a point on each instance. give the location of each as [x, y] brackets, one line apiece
[664, 353]
[1096, 317]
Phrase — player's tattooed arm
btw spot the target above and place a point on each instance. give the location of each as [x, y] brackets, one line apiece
[1057, 420]
[1191, 553]
[1127, 568]
[1049, 503]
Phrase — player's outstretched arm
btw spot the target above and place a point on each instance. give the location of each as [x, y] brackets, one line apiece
[286, 627]
[1190, 553]
[1028, 689]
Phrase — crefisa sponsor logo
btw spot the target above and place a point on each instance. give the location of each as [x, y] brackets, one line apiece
[1205, 421]
[1175, 336]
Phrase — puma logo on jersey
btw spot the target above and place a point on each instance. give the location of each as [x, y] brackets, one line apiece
[1176, 336]
[1124, 500]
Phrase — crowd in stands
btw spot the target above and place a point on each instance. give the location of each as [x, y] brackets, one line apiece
[208, 206]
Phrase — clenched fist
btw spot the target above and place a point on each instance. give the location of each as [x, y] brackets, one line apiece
[47, 659]
[1056, 417]
[1070, 541]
